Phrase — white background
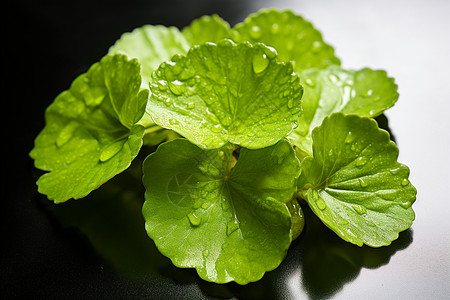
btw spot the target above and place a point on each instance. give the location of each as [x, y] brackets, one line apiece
[411, 41]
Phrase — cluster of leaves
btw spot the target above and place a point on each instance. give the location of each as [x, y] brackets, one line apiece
[252, 122]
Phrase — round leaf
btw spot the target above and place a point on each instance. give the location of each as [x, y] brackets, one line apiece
[206, 29]
[230, 225]
[354, 183]
[227, 92]
[90, 135]
[151, 44]
[294, 38]
[364, 92]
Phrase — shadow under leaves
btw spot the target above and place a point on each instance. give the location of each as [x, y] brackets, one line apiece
[317, 264]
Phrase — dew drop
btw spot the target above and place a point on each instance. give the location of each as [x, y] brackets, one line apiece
[270, 52]
[111, 150]
[205, 205]
[162, 85]
[290, 103]
[260, 63]
[405, 182]
[333, 78]
[370, 224]
[190, 105]
[167, 101]
[321, 204]
[217, 128]
[330, 153]
[406, 204]
[395, 171]
[316, 46]
[205, 253]
[275, 28]
[360, 209]
[362, 183]
[309, 82]
[349, 138]
[315, 195]
[66, 134]
[255, 32]
[343, 222]
[361, 161]
[177, 87]
[173, 121]
[368, 93]
[232, 226]
[194, 219]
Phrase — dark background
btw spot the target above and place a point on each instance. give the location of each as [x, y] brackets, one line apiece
[97, 247]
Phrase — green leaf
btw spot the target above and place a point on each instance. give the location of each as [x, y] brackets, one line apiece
[90, 135]
[229, 223]
[206, 29]
[151, 45]
[365, 92]
[354, 183]
[294, 38]
[227, 92]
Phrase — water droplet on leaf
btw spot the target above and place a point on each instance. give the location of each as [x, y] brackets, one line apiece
[368, 93]
[310, 82]
[395, 171]
[370, 224]
[316, 46]
[360, 209]
[349, 138]
[275, 28]
[361, 161]
[405, 182]
[162, 85]
[205, 253]
[167, 101]
[217, 128]
[406, 204]
[111, 150]
[333, 78]
[173, 121]
[232, 226]
[362, 183]
[321, 204]
[177, 87]
[290, 103]
[343, 222]
[66, 134]
[194, 219]
[255, 32]
[260, 63]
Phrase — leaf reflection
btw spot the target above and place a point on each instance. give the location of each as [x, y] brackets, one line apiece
[329, 262]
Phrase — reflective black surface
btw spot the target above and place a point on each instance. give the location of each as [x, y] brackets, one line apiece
[97, 247]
